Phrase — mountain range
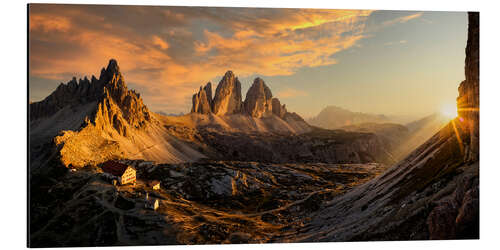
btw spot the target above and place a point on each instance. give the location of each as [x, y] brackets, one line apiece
[334, 117]
[90, 121]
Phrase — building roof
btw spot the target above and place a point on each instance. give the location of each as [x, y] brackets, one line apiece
[114, 168]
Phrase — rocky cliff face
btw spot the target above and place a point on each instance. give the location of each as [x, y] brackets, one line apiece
[468, 99]
[109, 89]
[258, 99]
[277, 108]
[227, 98]
[118, 105]
[202, 101]
[457, 215]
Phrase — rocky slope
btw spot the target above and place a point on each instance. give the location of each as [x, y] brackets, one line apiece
[200, 203]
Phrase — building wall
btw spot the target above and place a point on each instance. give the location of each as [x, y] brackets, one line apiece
[128, 176]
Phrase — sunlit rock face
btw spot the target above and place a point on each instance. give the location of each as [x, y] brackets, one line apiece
[258, 99]
[227, 98]
[109, 88]
[468, 99]
[129, 103]
[202, 101]
[277, 108]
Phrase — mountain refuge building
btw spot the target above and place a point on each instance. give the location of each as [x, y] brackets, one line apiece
[122, 173]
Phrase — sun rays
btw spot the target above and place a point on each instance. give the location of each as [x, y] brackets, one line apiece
[449, 110]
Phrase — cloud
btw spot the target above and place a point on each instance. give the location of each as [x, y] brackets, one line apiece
[158, 41]
[402, 19]
[167, 52]
[410, 17]
[395, 43]
[47, 23]
[291, 93]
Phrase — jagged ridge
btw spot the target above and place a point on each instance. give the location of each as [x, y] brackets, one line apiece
[108, 91]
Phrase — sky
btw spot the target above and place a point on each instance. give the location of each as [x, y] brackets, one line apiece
[403, 63]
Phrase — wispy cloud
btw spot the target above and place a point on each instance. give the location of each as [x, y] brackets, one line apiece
[395, 43]
[402, 19]
[160, 42]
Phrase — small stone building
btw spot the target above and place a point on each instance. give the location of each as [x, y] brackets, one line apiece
[123, 173]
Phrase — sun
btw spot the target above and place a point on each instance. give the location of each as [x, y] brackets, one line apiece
[449, 110]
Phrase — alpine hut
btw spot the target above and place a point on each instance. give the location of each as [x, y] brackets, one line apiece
[123, 173]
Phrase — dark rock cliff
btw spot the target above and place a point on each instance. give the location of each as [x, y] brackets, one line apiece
[468, 99]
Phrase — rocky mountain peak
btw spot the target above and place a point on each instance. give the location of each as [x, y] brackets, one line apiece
[208, 92]
[278, 109]
[112, 78]
[227, 98]
[109, 92]
[258, 99]
[202, 101]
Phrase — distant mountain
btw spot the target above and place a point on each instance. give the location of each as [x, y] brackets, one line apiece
[402, 139]
[170, 114]
[333, 117]
[393, 135]
[433, 122]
